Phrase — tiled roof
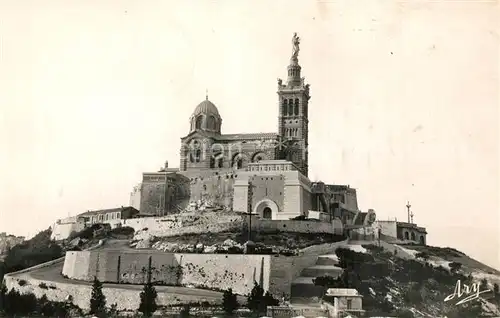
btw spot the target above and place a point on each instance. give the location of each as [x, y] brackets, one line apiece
[248, 136]
[89, 213]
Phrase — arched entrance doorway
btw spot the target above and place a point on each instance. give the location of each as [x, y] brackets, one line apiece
[266, 209]
[267, 213]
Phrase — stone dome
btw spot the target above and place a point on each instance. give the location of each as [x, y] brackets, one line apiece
[206, 107]
[206, 117]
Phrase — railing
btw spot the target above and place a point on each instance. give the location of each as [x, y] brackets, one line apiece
[288, 312]
[347, 312]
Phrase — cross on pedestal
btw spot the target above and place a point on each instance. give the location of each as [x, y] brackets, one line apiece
[408, 206]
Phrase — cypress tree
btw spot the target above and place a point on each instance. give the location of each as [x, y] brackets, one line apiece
[229, 301]
[148, 296]
[97, 300]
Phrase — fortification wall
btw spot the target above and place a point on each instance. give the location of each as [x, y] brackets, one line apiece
[215, 188]
[63, 230]
[230, 222]
[216, 222]
[214, 271]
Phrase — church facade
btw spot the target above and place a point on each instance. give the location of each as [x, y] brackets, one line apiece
[264, 173]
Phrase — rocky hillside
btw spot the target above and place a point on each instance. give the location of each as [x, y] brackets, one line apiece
[7, 242]
[414, 281]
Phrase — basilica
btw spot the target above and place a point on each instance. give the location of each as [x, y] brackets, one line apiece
[263, 173]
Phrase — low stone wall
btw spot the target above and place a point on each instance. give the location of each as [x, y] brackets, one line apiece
[292, 226]
[214, 271]
[125, 299]
[153, 223]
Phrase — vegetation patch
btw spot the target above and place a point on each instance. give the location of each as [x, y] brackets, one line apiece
[394, 286]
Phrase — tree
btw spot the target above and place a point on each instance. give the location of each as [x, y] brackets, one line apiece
[229, 301]
[3, 297]
[148, 300]
[255, 298]
[258, 301]
[97, 300]
[148, 296]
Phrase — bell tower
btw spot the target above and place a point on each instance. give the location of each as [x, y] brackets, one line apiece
[293, 113]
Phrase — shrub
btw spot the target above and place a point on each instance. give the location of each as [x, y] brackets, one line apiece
[455, 266]
[185, 311]
[124, 230]
[403, 313]
[22, 282]
[229, 301]
[97, 300]
[19, 305]
[423, 255]
[326, 281]
[43, 285]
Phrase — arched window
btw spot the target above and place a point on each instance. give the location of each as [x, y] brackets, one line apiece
[422, 240]
[290, 107]
[407, 236]
[218, 160]
[413, 236]
[197, 156]
[237, 162]
[285, 109]
[199, 121]
[296, 108]
[211, 124]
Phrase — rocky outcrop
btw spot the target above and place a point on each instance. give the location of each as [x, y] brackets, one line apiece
[9, 241]
[228, 246]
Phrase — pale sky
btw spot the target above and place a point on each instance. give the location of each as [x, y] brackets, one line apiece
[404, 101]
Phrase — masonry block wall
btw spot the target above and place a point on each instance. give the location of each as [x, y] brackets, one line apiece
[153, 194]
[388, 228]
[216, 271]
[268, 187]
[215, 188]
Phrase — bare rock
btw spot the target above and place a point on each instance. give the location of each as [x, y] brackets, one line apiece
[146, 243]
[210, 249]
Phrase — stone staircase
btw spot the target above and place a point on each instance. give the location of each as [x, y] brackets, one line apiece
[303, 289]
